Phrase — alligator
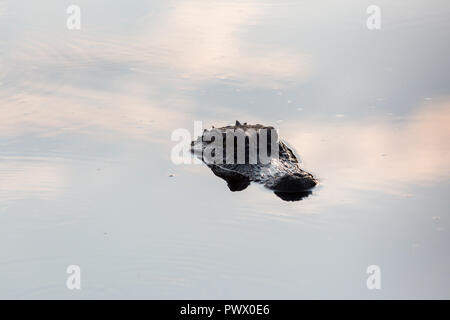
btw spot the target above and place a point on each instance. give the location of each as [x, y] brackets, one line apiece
[275, 165]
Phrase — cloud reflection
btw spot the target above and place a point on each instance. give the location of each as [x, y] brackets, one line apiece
[86, 111]
[377, 154]
[207, 40]
[22, 178]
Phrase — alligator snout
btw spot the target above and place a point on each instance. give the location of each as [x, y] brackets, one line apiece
[296, 182]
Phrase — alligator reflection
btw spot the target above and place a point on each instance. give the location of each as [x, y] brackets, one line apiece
[237, 182]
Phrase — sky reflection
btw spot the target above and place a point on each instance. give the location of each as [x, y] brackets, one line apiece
[86, 119]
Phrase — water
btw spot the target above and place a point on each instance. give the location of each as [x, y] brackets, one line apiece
[85, 125]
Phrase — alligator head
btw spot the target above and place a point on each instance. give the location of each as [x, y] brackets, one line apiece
[245, 153]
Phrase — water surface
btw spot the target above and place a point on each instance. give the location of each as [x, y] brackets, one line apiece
[85, 126]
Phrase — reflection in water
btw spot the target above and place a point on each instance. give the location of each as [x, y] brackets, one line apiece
[235, 181]
[238, 182]
[293, 196]
[85, 123]
[381, 154]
